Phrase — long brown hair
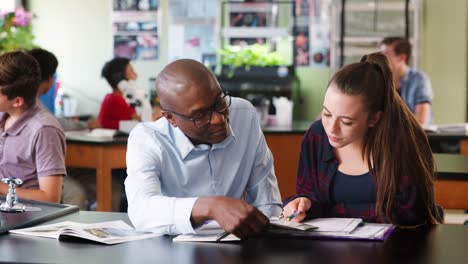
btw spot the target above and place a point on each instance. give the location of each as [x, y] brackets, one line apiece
[397, 148]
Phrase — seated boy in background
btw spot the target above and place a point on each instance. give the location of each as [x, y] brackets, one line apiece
[48, 64]
[114, 108]
[79, 187]
[32, 143]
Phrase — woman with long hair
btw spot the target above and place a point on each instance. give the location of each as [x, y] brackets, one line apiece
[367, 157]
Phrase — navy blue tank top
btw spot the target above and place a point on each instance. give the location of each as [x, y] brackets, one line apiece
[354, 190]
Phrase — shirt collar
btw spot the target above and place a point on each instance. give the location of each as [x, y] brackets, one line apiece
[18, 126]
[406, 76]
[185, 146]
[328, 153]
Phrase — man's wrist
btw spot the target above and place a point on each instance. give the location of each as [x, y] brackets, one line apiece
[201, 211]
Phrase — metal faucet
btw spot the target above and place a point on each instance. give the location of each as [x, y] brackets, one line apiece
[11, 204]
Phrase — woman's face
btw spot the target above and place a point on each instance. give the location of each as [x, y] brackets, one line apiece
[345, 118]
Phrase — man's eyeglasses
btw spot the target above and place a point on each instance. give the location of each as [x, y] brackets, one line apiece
[203, 118]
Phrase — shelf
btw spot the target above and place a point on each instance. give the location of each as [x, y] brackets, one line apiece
[370, 6]
[257, 32]
[193, 20]
[354, 51]
[242, 7]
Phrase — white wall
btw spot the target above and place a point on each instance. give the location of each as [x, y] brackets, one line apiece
[79, 33]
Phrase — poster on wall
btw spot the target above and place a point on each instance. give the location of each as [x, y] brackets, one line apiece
[312, 34]
[135, 27]
[192, 30]
[301, 46]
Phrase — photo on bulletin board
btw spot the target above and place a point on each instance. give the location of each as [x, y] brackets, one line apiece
[135, 5]
[302, 7]
[320, 56]
[319, 35]
[120, 27]
[301, 46]
[137, 47]
[246, 41]
[135, 27]
[247, 19]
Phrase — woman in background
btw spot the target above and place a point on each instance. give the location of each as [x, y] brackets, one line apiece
[367, 157]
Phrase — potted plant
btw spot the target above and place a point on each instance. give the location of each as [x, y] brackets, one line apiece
[15, 31]
[252, 61]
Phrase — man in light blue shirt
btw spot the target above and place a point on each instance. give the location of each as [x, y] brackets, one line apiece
[413, 86]
[207, 159]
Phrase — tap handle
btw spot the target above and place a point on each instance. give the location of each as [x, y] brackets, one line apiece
[12, 181]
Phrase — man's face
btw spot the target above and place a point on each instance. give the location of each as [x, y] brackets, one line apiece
[198, 102]
[396, 61]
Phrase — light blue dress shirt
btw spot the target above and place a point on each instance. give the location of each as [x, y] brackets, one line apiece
[416, 88]
[167, 173]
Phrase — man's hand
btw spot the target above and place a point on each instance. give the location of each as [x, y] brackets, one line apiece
[300, 206]
[233, 215]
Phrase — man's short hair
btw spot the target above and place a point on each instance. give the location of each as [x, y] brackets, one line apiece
[114, 71]
[20, 76]
[400, 46]
[47, 62]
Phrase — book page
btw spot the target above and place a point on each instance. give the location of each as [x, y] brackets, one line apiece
[344, 225]
[49, 231]
[280, 223]
[111, 232]
[203, 238]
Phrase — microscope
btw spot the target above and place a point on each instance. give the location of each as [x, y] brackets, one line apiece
[11, 205]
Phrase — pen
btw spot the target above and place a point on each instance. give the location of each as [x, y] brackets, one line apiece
[221, 236]
[291, 216]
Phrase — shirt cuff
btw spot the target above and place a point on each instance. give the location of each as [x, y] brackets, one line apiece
[182, 212]
[271, 211]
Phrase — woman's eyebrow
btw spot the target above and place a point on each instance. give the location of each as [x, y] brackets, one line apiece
[347, 117]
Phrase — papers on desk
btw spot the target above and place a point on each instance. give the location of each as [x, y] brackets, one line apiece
[334, 228]
[209, 232]
[461, 128]
[112, 232]
[96, 135]
[340, 228]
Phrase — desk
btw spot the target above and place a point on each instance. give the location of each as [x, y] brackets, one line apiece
[436, 245]
[105, 155]
[102, 155]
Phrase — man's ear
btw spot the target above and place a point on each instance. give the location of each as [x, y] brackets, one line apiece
[375, 118]
[402, 57]
[18, 102]
[169, 117]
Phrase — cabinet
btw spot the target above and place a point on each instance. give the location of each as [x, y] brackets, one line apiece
[358, 26]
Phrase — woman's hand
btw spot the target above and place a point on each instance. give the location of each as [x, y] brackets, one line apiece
[300, 206]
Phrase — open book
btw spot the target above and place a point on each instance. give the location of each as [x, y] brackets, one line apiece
[112, 232]
[335, 228]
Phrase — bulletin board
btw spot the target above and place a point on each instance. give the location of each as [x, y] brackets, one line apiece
[136, 26]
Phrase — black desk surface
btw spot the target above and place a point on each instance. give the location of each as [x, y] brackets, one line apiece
[440, 244]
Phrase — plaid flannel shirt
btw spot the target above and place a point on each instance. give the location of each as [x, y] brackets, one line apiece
[317, 169]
